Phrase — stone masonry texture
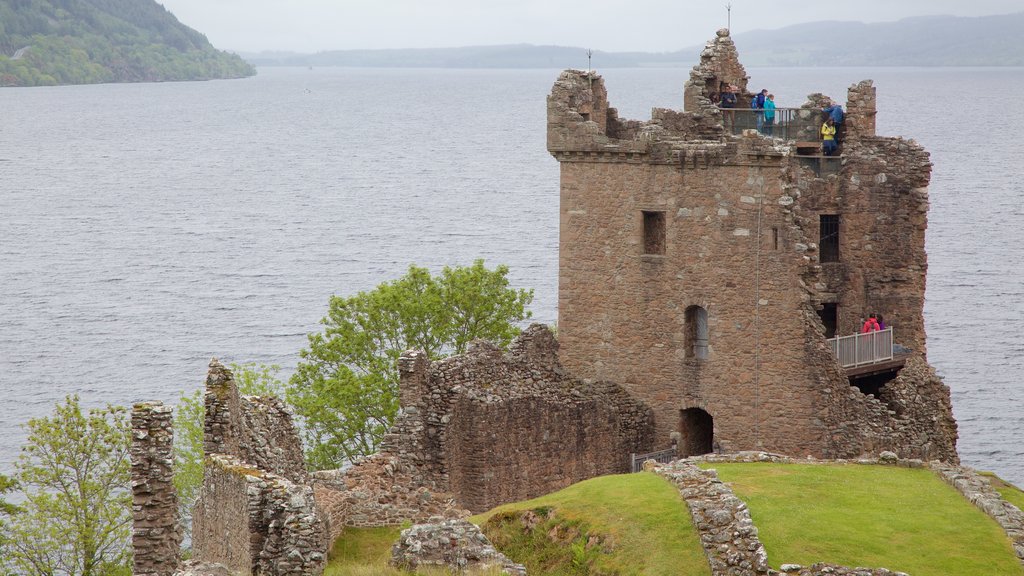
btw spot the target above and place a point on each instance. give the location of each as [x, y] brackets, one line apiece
[715, 324]
[492, 427]
[156, 533]
[256, 512]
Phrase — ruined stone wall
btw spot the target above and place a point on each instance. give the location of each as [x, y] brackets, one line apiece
[256, 522]
[156, 532]
[256, 430]
[491, 427]
[255, 489]
[881, 197]
[719, 65]
[224, 519]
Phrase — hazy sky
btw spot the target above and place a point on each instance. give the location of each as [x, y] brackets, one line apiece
[622, 25]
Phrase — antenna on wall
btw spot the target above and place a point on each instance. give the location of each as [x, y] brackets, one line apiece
[590, 76]
[728, 19]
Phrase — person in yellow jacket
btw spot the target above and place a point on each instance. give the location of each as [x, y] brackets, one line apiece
[828, 137]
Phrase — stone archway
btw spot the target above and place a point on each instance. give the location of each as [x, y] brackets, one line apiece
[696, 429]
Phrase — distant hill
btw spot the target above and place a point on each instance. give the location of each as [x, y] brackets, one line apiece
[47, 42]
[922, 41]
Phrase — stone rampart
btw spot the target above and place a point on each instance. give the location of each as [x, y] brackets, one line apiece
[493, 427]
[156, 532]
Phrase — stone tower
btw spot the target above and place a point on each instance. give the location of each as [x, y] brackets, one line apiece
[703, 265]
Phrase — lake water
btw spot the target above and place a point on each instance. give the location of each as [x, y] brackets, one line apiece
[147, 227]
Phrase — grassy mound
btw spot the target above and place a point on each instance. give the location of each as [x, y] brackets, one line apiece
[624, 524]
[855, 515]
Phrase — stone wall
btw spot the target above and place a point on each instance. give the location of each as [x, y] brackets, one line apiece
[456, 545]
[256, 522]
[719, 66]
[257, 430]
[739, 258]
[156, 532]
[492, 427]
[256, 512]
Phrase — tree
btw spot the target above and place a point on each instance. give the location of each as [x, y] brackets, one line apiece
[345, 387]
[189, 420]
[74, 472]
[7, 484]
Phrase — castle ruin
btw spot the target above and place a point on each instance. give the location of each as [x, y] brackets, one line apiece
[703, 265]
[705, 269]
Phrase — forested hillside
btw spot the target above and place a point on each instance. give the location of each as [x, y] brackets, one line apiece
[48, 42]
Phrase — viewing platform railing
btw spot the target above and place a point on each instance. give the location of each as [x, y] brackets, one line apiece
[662, 456]
[863, 349]
[802, 124]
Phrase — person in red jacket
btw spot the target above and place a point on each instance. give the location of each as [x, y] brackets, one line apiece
[870, 325]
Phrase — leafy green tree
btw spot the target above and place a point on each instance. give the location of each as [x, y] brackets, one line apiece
[346, 385]
[189, 418]
[7, 484]
[74, 472]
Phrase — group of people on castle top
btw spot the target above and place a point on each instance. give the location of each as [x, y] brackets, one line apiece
[762, 103]
[874, 323]
[831, 129]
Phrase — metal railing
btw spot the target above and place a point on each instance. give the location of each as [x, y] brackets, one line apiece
[863, 349]
[801, 124]
[662, 456]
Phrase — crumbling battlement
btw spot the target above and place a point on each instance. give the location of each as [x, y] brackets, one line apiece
[703, 269]
[256, 430]
[492, 427]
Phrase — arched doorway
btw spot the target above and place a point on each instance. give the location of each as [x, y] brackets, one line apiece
[696, 429]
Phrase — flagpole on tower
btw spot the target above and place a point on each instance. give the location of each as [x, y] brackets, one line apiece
[728, 20]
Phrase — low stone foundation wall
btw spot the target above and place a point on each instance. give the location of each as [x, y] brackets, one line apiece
[980, 492]
[379, 491]
[722, 521]
[454, 544]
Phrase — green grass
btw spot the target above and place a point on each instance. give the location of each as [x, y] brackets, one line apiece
[640, 520]
[878, 516]
[363, 552]
[1008, 491]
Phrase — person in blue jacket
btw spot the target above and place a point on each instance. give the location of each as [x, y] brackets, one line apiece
[835, 112]
[757, 103]
[769, 115]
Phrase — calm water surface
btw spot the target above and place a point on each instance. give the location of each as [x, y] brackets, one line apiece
[145, 228]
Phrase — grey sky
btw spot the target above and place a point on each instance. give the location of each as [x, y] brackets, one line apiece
[613, 25]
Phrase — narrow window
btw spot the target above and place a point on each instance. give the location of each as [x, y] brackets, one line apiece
[829, 238]
[775, 238]
[696, 333]
[654, 232]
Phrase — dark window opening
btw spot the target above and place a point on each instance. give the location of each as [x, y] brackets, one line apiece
[696, 333]
[654, 232]
[696, 429]
[775, 238]
[829, 317]
[874, 385]
[828, 237]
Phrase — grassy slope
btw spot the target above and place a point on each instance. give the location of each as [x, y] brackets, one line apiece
[642, 515]
[897, 518]
[855, 515]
